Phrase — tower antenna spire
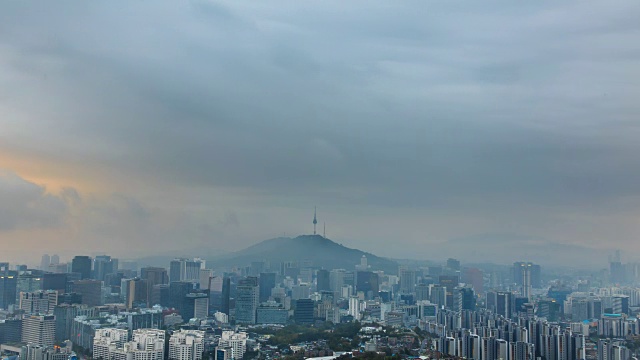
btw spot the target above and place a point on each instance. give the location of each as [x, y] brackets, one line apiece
[324, 230]
[315, 219]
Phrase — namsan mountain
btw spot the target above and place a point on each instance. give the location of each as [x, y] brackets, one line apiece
[322, 252]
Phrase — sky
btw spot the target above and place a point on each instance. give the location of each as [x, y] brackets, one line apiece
[187, 127]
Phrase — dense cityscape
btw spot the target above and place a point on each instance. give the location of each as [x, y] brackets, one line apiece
[319, 180]
[102, 308]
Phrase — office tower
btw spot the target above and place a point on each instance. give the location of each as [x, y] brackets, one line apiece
[504, 304]
[524, 272]
[301, 291]
[407, 280]
[136, 293]
[323, 280]
[185, 270]
[39, 302]
[453, 264]
[8, 287]
[10, 331]
[226, 295]
[450, 282]
[363, 266]
[39, 330]
[468, 298]
[272, 313]
[368, 283]
[267, 282]
[45, 262]
[178, 291]
[82, 266]
[54, 260]
[205, 278]
[153, 276]
[247, 299]
[186, 345]
[438, 295]
[103, 265]
[28, 281]
[57, 282]
[195, 306]
[90, 290]
[620, 304]
[475, 278]
[303, 312]
[237, 342]
[336, 280]
[534, 274]
[422, 292]
[65, 315]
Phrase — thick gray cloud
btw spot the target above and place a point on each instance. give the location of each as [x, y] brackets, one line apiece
[24, 205]
[526, 113]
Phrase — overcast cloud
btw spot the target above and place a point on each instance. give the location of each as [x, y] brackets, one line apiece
[177, 125]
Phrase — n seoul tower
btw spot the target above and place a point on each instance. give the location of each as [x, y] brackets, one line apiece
[315, 220]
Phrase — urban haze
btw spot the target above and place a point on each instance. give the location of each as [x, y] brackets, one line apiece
[217, 180]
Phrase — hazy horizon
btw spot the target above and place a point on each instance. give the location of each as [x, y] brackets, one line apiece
[141, 128]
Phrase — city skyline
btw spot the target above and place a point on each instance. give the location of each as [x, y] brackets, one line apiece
[183, 126]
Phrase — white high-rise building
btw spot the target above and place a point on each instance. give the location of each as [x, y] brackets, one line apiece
[39, 330]
[205, 278]
[38, 302]
[236, 341]
[186, 345]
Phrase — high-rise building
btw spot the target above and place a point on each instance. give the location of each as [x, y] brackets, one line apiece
[8, 287]
[468, 298]
[303, 312]
[39, 330]
[185, 270]
[45, 262]
[38, 302]
[136, 293]
[28, 281]
[475, 278]
[236, 341]
[82, 266]
[197, 306]
[103, 265]
[247, 299]
[10, 331]
[57, 282]
[178, 291]
[153, 276]
[226, 295]
[54, 260]
[65, 315]
[267, 282]
[368, 283]
[323, 280]
[186, 345]
[534, 273]
[407, 280]
[90, 290]
[504, 305]
[453, 264]
[205, 278]
[107, 340]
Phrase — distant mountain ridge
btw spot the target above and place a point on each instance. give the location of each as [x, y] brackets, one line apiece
[322, 252]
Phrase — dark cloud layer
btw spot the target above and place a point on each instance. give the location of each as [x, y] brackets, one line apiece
[460, 108]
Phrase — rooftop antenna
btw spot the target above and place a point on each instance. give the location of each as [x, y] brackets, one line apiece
[324, 230]
[315, 220]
